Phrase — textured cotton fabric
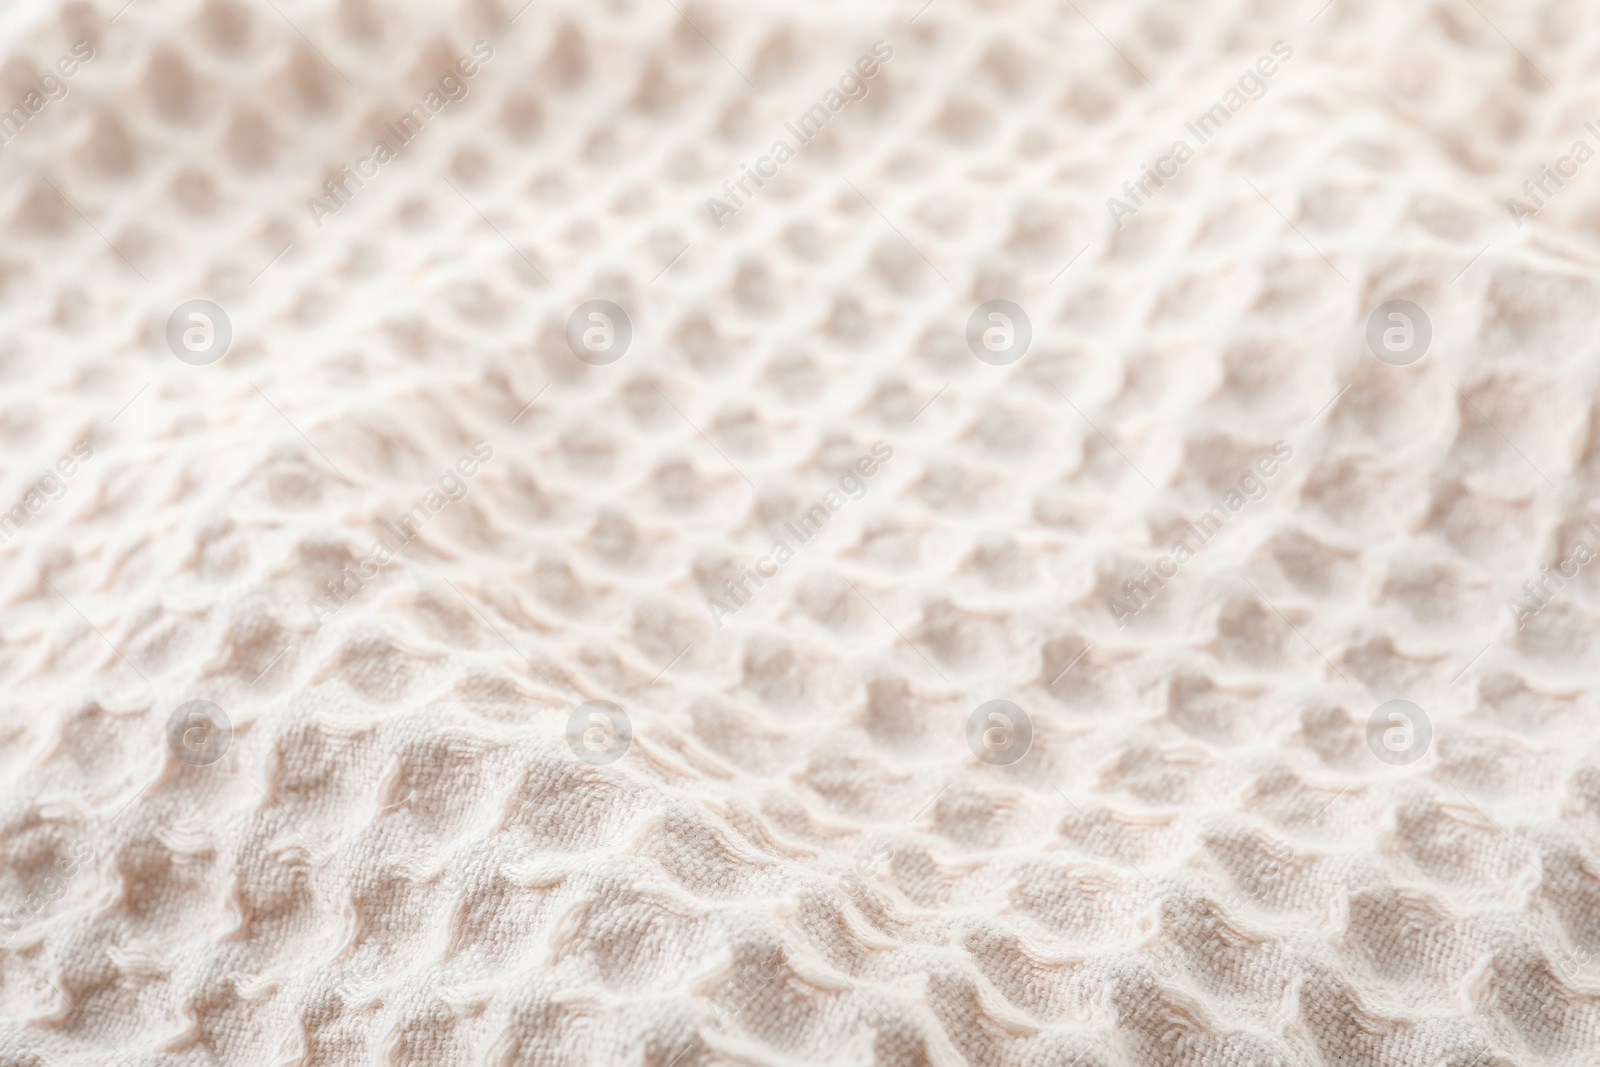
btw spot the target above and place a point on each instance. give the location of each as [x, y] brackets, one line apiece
[579, 767]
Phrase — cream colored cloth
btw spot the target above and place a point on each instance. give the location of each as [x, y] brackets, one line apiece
[400, 664]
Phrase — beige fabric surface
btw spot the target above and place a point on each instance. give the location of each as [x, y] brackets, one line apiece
[411, 844]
